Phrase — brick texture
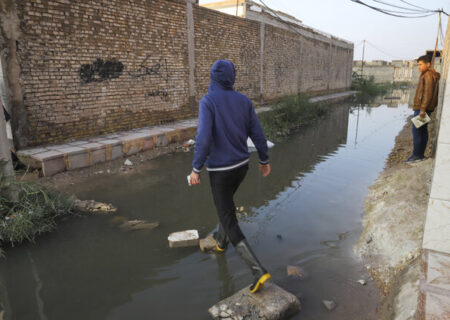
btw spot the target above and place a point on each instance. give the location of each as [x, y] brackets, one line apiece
[95, 67]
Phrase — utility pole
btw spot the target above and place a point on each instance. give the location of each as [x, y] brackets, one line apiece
[362, 61]
[437, 38]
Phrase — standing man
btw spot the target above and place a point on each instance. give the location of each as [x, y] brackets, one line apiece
[425, 102]
[226, 119]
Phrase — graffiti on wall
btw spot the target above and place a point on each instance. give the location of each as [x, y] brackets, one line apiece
[153, 68]
[100, 70]
[158, 68]
[163, 94]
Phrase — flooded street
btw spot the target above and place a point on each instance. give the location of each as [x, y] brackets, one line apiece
[307, 213]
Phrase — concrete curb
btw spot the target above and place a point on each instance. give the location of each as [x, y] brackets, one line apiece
[85, 153]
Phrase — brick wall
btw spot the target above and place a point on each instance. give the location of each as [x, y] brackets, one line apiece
[222, 36]
[94, 67]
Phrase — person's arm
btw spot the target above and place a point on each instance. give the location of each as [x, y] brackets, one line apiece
[203, 139]
[427, 93]
[256, 133]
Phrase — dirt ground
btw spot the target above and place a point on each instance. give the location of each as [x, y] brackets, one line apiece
[395, 211]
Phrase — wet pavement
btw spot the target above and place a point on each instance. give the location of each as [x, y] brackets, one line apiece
[307, 213]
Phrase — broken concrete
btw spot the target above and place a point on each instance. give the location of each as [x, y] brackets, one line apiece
[329, 304]
[92, 206]
[296, 272]
[186, 238]
[208, 244]
[270, 303]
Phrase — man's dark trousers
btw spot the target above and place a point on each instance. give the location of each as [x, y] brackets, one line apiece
[223, 186]
[420, 138]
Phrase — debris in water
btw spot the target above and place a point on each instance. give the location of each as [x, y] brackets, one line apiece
[329, 304]
[279, 237]
[330, 243]
[128, 162]
[362, 282]
[94, 206]
[294, 271]
[136, 225]
[186, 238]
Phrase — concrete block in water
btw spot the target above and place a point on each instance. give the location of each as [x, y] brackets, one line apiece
[208, 244]
[186, 238]
[270, 303]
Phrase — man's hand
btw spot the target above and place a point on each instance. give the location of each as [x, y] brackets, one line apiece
[422, 114]
[195, 178]
[264, 169]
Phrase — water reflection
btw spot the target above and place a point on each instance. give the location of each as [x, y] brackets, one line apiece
[90, 269]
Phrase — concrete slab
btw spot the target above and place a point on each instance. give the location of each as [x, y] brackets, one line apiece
[162, 141]
[444, 129]
[53, 166]
[187, 238]
[115, 153]
[113, 142]
[437, 306]
[77, 143]
[97, 155]
[270, 303]
[208, 244]
[437, 226]
[47, 155]
[77, 160]
[70, 149]
[440, 188]
[438, 270]
[92, 145]
[29, 152]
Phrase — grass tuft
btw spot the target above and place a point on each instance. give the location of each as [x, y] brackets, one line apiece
[34, 212]
[288, 114]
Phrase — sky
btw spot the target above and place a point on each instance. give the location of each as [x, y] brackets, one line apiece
[388, 38]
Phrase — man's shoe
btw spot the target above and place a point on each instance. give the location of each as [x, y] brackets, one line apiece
[260, 274]
[413, 159]
[221, 246]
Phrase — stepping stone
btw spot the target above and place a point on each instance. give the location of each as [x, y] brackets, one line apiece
[270, 303]
[208, 244]
[187, 238]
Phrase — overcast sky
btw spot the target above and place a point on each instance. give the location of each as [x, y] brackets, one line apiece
[398, 38]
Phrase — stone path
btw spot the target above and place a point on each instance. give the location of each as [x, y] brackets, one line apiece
[84, 153]
[434, 302]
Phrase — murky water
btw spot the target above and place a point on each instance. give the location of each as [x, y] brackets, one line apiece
[307, 213]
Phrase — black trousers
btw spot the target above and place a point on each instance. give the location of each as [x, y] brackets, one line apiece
[223, 186]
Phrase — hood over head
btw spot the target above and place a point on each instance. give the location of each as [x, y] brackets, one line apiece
[223, 75]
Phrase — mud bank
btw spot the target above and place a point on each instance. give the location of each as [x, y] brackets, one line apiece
[393, 225]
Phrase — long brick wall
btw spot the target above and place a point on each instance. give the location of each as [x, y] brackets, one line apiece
[88, 68]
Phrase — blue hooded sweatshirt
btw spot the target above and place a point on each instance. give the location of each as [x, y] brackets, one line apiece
[225, 121]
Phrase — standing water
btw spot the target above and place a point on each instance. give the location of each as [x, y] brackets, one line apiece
[307, 213]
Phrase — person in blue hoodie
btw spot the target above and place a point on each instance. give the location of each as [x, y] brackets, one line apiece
[226, 119]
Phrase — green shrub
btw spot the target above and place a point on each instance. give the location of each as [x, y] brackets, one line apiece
[289, 114]
[33, 213]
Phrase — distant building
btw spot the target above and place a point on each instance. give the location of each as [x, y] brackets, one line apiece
[395, 71]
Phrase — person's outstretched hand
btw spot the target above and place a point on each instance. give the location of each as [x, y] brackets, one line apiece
[265, 169]
[195, 178]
